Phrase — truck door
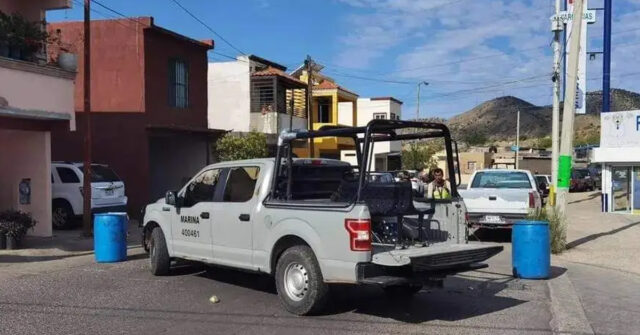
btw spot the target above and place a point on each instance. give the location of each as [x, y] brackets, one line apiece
[191, 226]
[232, 230]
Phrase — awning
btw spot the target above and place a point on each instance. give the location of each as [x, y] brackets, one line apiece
[33, 114]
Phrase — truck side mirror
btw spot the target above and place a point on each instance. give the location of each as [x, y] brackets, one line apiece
[170, 198]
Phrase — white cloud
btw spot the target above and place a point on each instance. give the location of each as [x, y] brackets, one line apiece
[508, 39]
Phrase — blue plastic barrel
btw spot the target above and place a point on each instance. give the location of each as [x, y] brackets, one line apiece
[110, 237]
[531, 254]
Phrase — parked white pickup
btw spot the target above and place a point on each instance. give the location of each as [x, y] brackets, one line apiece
[496, 198]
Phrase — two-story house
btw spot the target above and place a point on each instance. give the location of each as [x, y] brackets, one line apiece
[255, 94]
[326, 96]
[35, 97]
[386, 155]
[148, 105]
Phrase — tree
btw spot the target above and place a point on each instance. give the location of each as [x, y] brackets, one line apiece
[233, 147]
[544, 142]
[419, 156]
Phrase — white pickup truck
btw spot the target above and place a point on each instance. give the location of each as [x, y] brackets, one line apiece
[497, 198]
[314, 222]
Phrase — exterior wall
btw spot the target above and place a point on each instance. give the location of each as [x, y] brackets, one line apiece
[30, 157]
[268, 123]
[345, 113]
[36, 91]
[116, 58]
[119, 140]
[229, 89]
[159, 49]
[536, 165]
[33, 10]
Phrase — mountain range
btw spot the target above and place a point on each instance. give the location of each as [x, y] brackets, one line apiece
[496, 118]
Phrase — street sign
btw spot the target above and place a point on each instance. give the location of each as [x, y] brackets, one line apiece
[566, 16]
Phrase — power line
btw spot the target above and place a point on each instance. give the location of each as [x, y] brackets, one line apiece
[207, 26]
[118, 13]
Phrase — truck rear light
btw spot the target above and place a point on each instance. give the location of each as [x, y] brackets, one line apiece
[359, 234]
[466, 217]
[532, 200]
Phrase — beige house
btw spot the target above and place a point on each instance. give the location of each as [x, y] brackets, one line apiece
[35, 97]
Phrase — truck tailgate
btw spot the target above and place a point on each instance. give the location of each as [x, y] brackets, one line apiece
[436, 257]
[491, 200]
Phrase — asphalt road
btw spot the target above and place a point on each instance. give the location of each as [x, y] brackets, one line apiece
[90, 298]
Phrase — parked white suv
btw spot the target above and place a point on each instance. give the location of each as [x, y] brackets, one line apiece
[107, 192]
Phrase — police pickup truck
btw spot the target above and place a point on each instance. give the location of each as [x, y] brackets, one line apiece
[313, 222]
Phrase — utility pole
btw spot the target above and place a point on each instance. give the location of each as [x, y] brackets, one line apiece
[86, 184]
[518, 140]
[556, 26]
[606, 63]
[418, 101]
[308, 63]
[566, 143]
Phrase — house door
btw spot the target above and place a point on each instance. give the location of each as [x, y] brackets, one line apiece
[621, 188]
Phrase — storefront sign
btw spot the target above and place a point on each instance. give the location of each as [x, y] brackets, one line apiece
[581, 82]
[620, 129]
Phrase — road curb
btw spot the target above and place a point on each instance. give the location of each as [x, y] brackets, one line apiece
[568, 316]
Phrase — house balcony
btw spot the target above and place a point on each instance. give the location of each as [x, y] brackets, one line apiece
[278, 102]
[36, 92]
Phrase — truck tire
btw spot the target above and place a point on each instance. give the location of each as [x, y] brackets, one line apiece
[158, 253]
[402, 291]
[61, 214]
[299, 281]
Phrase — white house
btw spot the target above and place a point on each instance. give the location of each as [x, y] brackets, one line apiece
[619, 153]
[386, 154]
[252, 93]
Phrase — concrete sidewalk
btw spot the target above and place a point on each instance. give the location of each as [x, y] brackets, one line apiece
[65, 249]
[601, 239]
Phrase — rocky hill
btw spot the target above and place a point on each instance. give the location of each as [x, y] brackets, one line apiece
[496, 118]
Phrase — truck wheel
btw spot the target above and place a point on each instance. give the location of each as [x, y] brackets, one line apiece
[158, 254]
[299, 281]
[402, 291]
[61, 214]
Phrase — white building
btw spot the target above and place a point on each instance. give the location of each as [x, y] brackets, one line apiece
[619, 153]
[387, 154]
[252, 93]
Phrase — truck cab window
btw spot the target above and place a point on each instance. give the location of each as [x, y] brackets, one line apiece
[202, 188]
[241, 183]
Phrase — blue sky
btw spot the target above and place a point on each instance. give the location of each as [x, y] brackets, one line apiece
[468, 50]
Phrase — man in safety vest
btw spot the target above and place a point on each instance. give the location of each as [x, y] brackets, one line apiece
[438, 188]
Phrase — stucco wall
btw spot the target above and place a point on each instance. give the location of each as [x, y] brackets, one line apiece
[27, 154]
[229, 96]
[34, 91]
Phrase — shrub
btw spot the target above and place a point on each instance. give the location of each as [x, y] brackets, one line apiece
[557, 227]
[16, 223]
[237, 147]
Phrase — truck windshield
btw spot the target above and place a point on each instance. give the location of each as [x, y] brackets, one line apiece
[501, 180]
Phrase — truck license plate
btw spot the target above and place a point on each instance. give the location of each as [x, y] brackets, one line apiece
[493, 219]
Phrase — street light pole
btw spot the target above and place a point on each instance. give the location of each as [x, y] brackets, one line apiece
[566, 144]
[518, 140]
[606, 63]
[556, 26]
[418, 102]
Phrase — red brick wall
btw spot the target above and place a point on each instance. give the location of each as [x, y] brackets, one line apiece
[117, 63]
[159, 49]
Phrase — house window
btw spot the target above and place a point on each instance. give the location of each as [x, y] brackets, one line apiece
[394, 116]
[379, 116]
[178, 84]
[471, 166]
[324, 111]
